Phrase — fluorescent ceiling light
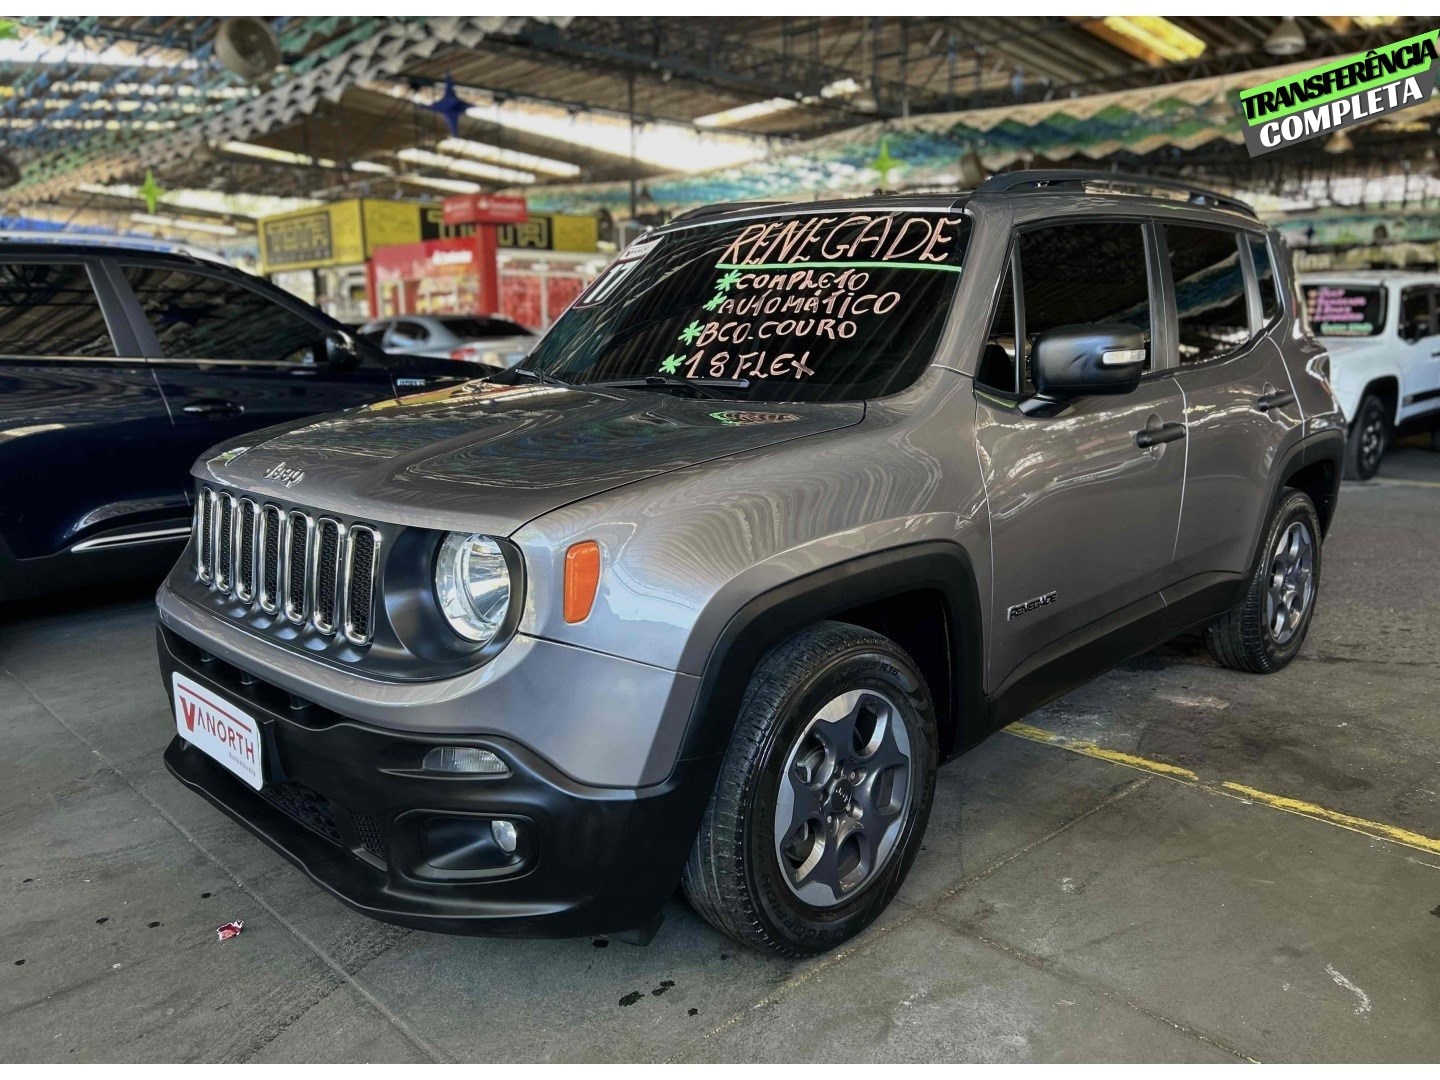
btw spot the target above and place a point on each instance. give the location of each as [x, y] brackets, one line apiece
[416, 156]
[1370, 22]
[269, 153]
[1159, 35]
[672, 147]
[516, 158]
[370, 167]
[38, 49]
[214, 202]
[840, 88]
[741, 113]
[755, 110]
[666, 146]
[188, 224]
[439, 183]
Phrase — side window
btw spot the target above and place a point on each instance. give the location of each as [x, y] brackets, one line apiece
[999, 368]
[1087, 272]
[408, 335]
[1416, 318]
[1209, 292]
[198, 317]
[1265, 278]
[50, 309]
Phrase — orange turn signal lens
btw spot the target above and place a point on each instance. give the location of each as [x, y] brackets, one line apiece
[582, 579]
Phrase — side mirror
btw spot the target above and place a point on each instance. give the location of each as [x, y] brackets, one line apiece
[341, 349]
[1091, 358]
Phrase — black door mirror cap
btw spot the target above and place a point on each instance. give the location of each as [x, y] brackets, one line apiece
[1088, 358]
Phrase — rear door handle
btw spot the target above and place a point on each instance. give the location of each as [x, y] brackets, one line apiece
[212, 407]
[1278, 400]
[1154, 436]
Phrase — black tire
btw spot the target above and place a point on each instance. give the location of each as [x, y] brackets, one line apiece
[1369, 436]
[1244, 637]
[734, 877]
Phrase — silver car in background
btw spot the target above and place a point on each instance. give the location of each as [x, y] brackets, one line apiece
[491, 340]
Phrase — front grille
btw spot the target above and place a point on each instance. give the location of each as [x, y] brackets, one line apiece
[245, 570]
[360, 552]
[224, 575]
[318, 573]
[297, 550]
[327, 573]
[271, 525]
[305, 805]
[205, 513]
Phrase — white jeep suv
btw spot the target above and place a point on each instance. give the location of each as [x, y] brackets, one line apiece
[1382, 330]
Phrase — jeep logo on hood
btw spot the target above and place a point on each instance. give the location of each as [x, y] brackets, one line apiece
[288, 477]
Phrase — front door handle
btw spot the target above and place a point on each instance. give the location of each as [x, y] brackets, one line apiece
[1154, 436]
[212, 408]
[1278, 400]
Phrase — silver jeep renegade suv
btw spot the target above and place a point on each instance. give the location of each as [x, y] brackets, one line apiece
[793, 504]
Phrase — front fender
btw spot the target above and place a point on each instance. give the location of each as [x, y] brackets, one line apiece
[771, 617]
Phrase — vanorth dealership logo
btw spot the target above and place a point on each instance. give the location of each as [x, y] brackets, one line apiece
[1336, 95]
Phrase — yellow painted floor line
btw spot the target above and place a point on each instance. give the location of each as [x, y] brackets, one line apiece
[1377, 830]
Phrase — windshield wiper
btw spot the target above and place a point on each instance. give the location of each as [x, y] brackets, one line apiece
[509, 375]
[699, 387]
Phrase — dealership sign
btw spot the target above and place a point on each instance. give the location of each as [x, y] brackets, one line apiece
[485, 209]
[1336, 95]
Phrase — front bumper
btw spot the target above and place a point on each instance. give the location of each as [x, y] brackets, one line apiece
[349, 805]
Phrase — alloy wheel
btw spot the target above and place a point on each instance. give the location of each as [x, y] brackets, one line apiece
[1292, 582]
[844, 797]
[1372, 442]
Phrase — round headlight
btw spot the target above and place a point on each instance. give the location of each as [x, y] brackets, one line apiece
[472, 583]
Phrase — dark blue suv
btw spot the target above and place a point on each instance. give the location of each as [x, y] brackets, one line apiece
[119, 365]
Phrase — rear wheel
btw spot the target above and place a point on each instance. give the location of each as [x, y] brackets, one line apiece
[1264, 631]
[823, 795]
[1369, 436]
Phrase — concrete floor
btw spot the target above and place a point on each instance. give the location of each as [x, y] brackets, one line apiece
[1091, 888]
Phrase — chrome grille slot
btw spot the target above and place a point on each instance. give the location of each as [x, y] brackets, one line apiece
[245, 549]
[297, 551]
[204, 542]
[272, 525]
[329, 535]
[224, 543]
[362, 557]
[285, 566]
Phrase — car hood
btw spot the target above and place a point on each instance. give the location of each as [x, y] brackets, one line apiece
[489, 458]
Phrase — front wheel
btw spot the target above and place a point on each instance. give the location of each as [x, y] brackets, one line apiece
[823, 795]
[1264, 631]
[1368, 438]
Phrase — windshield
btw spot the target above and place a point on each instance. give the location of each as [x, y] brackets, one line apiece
[809, 307]
[1345, 310]
[483, 327]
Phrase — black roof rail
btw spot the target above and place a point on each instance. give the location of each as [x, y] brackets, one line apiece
[1043, 179]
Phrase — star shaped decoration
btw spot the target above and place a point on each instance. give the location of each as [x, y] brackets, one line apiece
[732, 278]
[883, 163]
[671, 364]
[690, 333]
[150, 191]
[450, 106]
[715, 302]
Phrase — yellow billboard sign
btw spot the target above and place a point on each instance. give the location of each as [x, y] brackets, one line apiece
[340, 234]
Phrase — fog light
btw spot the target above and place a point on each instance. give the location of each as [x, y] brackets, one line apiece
[504, 834]
[464, 759]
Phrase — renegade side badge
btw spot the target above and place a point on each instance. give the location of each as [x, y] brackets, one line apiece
[1016, 610]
